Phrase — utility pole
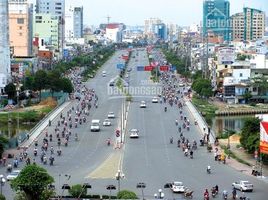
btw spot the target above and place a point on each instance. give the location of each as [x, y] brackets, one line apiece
[108, 19]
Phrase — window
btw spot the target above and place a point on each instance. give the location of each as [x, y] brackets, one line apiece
[241, 74]
[20, 21]
[20, 27]
[20, 34]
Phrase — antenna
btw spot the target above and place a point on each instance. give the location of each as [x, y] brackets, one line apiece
[108, 19]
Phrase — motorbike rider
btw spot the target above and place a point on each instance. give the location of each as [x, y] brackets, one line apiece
[165, 109]
[217, 188]
[191, 154]
[234, 193]
[225, 194]
[186, 152]
[176, 122]
[76, 137]
[206, 195]
[208, 169]
[108, 141]
[35, 151]
[171, 140]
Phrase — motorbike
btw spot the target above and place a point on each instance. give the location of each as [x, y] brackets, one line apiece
[9, 168]
[214, 192]
[195, 122]
[176, 123]
[206, 197]
[171, 140]
[45, 160]
[59, 152]
[35, 152]
[165, 109]
[84, 120]
[225, 196]
[188, 194]
[208, 170]
[108, 142]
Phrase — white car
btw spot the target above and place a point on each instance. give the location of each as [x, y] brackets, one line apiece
[243, 186]
[104, 73]
[181, 84]
[111, 115]
[134, 133]
[177, 187]
[143, 104]
[106, 122]
[155, 100]
[13, 175]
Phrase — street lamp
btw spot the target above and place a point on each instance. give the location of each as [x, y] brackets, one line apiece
[160, 194]
[119, 175]
[2, 182]
[142, 186]
[68, 176]
[110, 188]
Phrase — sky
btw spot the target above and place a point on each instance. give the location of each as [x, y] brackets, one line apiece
[134, 12]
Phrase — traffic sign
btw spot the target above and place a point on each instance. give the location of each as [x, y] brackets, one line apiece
[120, 66]
[164, 68]
[117, 133]
[148, 68]
[140, 68]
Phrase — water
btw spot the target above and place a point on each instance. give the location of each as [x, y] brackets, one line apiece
[15, 133]
[222, 123]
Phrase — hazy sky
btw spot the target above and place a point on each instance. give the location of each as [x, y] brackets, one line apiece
[133, 12]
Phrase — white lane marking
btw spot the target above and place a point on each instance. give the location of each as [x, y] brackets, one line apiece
[144, 141]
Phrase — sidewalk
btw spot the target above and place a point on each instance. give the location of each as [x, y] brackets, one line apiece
[37, 130]
[238, 152]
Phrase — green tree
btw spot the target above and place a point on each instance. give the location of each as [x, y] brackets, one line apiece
[247, 96]
[10, 90]
[250, 134]
[54, 81]
[126, 194]
[40, 81]
[77, 191]
[261, 83]
[66, 85]
[202, 87]
[3, 143]
[33, 181]
[2, 197]
[29, 83]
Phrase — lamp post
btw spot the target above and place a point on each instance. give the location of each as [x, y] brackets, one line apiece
[160, 194]
[119, 175]
[142, 186]
[2, 182]
[68, 176]
[110, 188]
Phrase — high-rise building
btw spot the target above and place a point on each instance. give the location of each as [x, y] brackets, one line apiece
[78, 22]
[69, 23]
[56, 8]
[4, 46]
[216, 18]
[20, 30]
[248, 25]
[160, 31]
[46, 29]
[148, 25]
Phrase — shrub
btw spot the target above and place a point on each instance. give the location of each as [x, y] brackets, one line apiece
[77, 190]
[2, 197]
[126, 194]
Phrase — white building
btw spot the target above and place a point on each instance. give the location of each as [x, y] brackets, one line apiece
[69, 24]
[114, 32]
[4, 46]
[57, 8]
[259, 61]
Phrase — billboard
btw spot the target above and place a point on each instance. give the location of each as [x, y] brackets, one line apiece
[226, 56]
[264, 137]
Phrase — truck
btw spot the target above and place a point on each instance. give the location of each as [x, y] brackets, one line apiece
[95, 125]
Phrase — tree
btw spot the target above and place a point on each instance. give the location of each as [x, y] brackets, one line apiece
[29, 82]
[250, 136]
[2, 197]
[10, 89]
[126, 194]
[54, 81]
[77, 191]
[261, 83]
[202, 87]
[33, 181]
[247, 96]
[40, 81]
[66, 85]
[3, 143]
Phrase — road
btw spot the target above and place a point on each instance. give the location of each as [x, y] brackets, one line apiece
[149, 159]
[152, 160]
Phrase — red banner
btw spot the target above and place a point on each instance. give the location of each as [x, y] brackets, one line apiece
[164, 68]
[148, 68]
[125, 57]
[264, 137]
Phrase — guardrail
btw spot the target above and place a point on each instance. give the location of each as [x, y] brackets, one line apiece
[46, 117]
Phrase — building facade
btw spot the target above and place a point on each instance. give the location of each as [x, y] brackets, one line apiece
[56, 8]
[4, 46]
[149, 25]
[248, 25]
[69, 23]
[160, 31]
[78, 22]
[46, 29]
[20, 30]
[216, 18]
